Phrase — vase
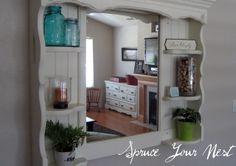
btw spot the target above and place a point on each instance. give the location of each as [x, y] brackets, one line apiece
[59, 92]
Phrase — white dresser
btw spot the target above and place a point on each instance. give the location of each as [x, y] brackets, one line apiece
[121, 97]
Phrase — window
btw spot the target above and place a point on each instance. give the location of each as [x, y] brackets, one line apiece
[89, 63]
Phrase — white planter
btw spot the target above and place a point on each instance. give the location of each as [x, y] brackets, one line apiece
[64, 158]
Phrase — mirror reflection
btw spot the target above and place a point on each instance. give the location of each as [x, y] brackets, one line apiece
[121, 73]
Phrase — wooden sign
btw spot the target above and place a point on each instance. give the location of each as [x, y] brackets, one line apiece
[180, 44]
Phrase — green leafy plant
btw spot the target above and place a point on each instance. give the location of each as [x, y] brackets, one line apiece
[187, 115]
[64, 139]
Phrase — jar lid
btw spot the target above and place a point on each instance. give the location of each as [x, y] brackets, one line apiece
[55, 8]
[71, 20]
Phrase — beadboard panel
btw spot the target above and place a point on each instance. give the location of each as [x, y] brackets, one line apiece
[62, 64]
[177, 29]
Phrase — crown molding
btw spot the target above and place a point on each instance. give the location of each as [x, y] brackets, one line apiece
[195, 9]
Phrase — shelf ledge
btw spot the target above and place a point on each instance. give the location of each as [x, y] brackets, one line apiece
[175, 140]
[183, 52]
[71, 108]
[77, 162]
[186, 98]
[63, 49]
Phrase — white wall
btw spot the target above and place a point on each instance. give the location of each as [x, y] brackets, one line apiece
[103, 52]
[124, 37]
[219, 82]
[144, 31]
[14, 84]
[130, 36]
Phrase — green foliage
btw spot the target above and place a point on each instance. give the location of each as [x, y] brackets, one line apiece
[64, 139]
[187, 115]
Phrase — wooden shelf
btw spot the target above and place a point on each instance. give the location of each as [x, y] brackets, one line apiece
[183, 52]
[185, 98]
[70, 109]
[63, 49]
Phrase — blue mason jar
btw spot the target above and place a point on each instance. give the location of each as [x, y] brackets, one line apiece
[54, 26]
[71, 32]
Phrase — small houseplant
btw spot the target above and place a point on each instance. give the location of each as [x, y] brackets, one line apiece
[186, 121]
[64, 141]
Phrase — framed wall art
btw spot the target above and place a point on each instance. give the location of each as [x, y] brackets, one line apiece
[128, 54]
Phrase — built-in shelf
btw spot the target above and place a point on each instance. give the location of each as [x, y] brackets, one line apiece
[71, 108]
[185, 98]
[63, 49]
[77, 162]
[183, 52]
[175, 140]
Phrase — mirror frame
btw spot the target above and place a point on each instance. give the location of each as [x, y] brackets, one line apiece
[196, 10]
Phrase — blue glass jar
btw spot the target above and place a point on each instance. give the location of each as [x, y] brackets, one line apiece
[71, 32]
[54, 26]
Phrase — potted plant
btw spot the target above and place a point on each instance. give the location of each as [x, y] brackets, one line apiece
[64, 141]
[186, 121]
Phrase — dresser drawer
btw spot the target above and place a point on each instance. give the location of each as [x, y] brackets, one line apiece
[115, 103]
[123, 96]
[127, 106]
[108, 94]
[115, 95]
[131, 98]
[113, 87]
[127, 90]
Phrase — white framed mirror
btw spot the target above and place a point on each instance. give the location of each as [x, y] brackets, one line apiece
[181, 20]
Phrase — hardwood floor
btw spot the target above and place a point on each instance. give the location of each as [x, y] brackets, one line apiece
[117, 121]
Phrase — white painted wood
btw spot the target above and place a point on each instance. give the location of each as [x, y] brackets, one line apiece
[192, 33]
[196, 9]
[47, 62]
[183, 52]
[63, 49]
[179, 98]
[180, 44]
[62, 64]
[169, 29]
[71, 108]
[114, 146]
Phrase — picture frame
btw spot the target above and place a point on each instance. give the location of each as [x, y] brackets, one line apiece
[138, 67]
[173, 91]
[151, 51]
[129, 54]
